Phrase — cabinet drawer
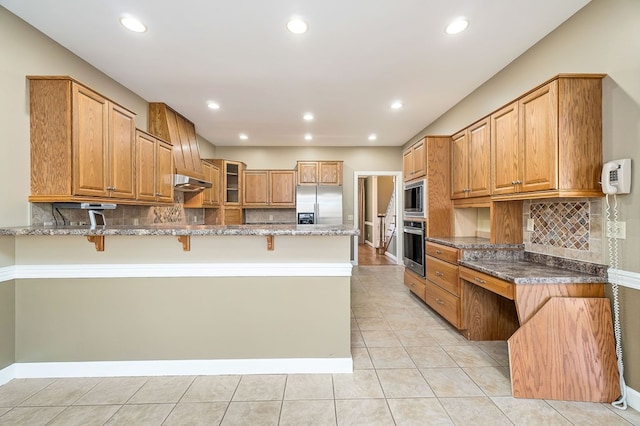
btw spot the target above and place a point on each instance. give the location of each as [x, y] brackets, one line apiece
[415, 284]
[444, 303]
[443, 274]
[496, 285]
[448, 254]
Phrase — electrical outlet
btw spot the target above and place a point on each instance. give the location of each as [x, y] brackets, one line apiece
[530, 225]
[621, 228]
[270, 217]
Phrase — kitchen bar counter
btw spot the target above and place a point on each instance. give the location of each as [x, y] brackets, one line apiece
[195, 230]
[245, 299]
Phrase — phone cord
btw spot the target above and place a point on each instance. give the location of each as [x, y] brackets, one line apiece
[612, 227]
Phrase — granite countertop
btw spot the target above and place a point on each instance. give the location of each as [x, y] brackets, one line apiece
[522, 271]
[178, 229]
[472, 243]
[511, 263]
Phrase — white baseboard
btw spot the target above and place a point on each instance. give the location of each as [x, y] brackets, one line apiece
[7, 374]
[31, 370]
[633, 398]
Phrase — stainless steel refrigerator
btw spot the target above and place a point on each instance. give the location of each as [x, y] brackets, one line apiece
[325, 202]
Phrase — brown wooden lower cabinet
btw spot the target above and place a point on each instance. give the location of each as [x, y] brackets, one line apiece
[442, 291]
[414, 283]
[444, 303]
[224, 216]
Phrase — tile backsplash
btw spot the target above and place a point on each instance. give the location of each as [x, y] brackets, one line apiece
[565, 227]
[45, 214]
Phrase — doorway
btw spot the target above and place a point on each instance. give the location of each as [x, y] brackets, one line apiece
[377, 212]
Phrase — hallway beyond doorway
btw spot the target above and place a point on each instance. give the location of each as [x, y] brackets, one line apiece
[367, 256]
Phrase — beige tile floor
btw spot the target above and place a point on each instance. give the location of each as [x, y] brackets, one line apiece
[411, 368]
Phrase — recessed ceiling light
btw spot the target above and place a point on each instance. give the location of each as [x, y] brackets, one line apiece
[133, 24]
[372, 137]
[307, 116]
[243, 136]
[308, 137]
[457, 26]
[297, 26]
[396, 105]
[213, 105]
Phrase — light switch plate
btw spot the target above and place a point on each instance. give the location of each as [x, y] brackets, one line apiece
[530, 225]
[350, 217]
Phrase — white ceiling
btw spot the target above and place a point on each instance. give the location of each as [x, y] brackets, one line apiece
[357, 57]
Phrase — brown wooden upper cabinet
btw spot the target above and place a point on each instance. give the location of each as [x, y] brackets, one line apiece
[169, 125]
[82, 144]
[549, 141]
[470, 160]
[209, 197]
[319, 172]
[269, 188]
[414, 161]
[154, 167]
[231, 181]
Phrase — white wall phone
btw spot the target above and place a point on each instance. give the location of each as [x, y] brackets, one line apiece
[616, 180]
[616, 177]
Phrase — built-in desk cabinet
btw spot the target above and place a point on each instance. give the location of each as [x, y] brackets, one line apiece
[549, 141]
[82, 144]
[154, 168]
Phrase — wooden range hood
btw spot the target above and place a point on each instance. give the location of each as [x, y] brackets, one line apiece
[167, 124]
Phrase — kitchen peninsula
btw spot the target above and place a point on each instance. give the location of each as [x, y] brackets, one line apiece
[176, 299]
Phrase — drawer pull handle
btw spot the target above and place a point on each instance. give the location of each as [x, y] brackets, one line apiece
[439, 274]
[413, 285]
[479, 280]
[438, 251]
[440, 302]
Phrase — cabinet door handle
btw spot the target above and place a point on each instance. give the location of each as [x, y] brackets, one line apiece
[438, 251]
[439, 274]
[479, 280]
[518, 182]
[439, 302]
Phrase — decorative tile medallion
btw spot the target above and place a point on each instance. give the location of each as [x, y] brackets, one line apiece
[563, 224]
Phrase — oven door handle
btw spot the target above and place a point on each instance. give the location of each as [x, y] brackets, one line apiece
[413, 231]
